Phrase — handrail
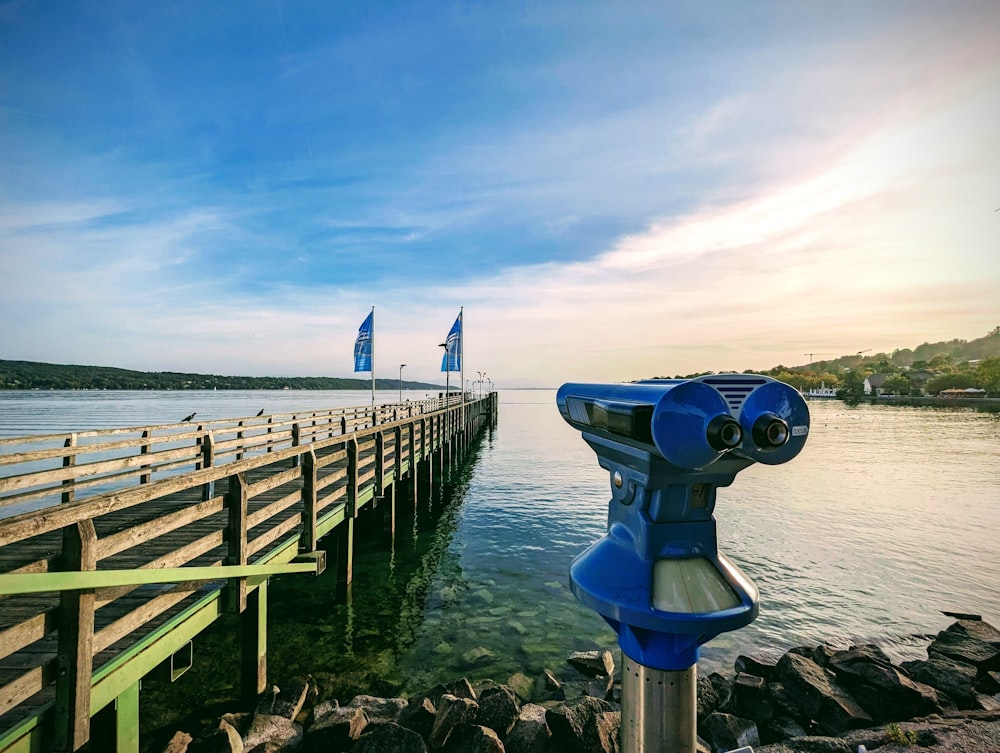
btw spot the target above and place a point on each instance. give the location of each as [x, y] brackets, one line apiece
[33, 583]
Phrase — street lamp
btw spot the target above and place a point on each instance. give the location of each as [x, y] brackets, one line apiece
[401, 381]
[480, 380]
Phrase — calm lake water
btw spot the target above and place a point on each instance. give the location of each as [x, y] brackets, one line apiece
[888, 516]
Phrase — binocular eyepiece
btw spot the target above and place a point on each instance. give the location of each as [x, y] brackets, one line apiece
[691, 423]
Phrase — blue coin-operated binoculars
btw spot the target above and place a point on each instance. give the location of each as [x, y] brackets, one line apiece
[657, 576]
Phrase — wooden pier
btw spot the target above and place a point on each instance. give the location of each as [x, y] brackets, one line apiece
[119, 546]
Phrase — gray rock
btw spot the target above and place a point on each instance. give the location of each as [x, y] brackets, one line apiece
[178, 743]
[607, 727]
[760, 664]
[547, 688]
[522, 685]
[883, 690]
[574, 725]
[379, 709]
[530, 733]
[498, 709]
[472, 738]
[953, 678]
[780, 728]
[819, 697]
[459, 688]
[970, 641]
[451, 711]
[725, 732]
[335, 728]
[714, 692]
[989, 683]
[225, 738]
[287, 703]
[751, 699]
[419, 715]
[810, 745]
[593, 663]
[389, 737]
[478, 656]
[277, 733]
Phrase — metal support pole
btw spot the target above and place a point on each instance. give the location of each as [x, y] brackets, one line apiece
[659, 709]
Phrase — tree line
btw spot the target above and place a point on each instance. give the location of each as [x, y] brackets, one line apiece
[33, 375]
[927, 369]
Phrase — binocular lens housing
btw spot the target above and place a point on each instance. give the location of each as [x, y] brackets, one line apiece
[769, 431]
[724, 433]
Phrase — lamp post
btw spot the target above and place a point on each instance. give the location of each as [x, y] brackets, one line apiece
[447, 374]
[401, 381]
[480, 381]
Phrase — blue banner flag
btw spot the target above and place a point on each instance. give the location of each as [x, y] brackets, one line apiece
[452, 358]
[363, 345]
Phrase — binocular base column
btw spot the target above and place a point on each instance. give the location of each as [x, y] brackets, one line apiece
[659, 709]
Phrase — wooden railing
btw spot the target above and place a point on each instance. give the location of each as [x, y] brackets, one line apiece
[237, 492]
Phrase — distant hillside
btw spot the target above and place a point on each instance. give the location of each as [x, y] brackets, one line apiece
[922, 356]
[32, 375]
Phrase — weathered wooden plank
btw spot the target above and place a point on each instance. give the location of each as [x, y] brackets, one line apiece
[273, 535]
[268, 483]
[136, 618]
[236, 535]
[151, 529]
[25, 633]
[274, 508]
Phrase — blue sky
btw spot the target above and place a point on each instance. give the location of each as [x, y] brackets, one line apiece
[611, 190]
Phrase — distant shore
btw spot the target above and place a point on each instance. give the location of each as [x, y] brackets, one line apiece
[984, 404]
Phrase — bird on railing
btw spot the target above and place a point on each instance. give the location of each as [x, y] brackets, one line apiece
[261, 413]
[185, 420]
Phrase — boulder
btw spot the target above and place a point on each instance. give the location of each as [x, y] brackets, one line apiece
[419, 715]
[472, 738]
[277, 733]
[334, 728]
[819, 697]
[379, 709]
[725, 732]
[575, 725]
[883, 690]
[810, 745]
[459, 688]
[547, 688]
[389, 737]
[953, 678]
[530, 733]
[498, 709]
[593, 663]
[971, 641]
[780, 728]
[451, 711]
[287, 703]
[759, 664]
[225, 738]
[989, 683]
[178, 743]
[522, 685]
[751, 699]
[714, 693]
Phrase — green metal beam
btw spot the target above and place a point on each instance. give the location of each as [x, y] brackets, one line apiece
[27, 583]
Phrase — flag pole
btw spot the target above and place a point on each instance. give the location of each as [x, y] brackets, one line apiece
[461, 348]
[373, 356]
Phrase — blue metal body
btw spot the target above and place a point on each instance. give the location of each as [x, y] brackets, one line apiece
[666, 455]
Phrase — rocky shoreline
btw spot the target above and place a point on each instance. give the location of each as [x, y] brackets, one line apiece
[809, 700]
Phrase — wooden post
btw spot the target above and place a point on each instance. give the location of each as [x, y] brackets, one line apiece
[236, 533]
[207, 461]
[413, 462]
[397, 471]
[269, 430]
[253, 645]
[345, 553]
[352, 478]
[343, 425]
[68, 461]
[144, 450]
[239, 435]
[296, 440]
[75, 651]
[379, 463]
[307, 541]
